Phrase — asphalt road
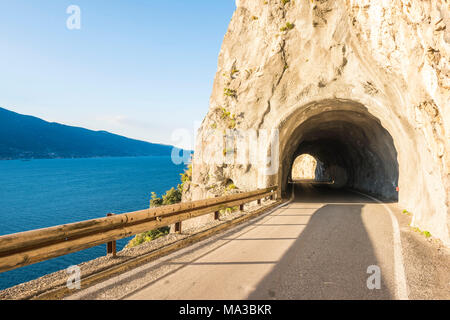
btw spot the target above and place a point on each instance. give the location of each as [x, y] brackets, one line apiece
[323, 245]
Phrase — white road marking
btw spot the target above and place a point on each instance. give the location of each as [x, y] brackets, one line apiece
[399, 268]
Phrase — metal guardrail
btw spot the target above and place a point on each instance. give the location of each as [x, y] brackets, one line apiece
[25, 248]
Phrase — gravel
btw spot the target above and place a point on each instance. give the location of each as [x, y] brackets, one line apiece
[34, 288]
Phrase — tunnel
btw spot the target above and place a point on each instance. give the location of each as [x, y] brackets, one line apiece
[354, 151]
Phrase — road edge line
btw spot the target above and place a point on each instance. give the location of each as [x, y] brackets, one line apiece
[399, 266]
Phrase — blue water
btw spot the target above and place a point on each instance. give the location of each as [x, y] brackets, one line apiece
[44, 193]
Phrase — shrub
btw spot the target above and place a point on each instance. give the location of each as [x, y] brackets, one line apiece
[171, 196]
[148, 236]
[155, 201]
[186, 177]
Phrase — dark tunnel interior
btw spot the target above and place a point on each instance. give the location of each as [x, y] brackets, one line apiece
[354, 149]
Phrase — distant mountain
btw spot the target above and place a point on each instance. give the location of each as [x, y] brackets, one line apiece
[27, 137]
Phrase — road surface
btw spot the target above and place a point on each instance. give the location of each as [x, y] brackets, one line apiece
[322, 245]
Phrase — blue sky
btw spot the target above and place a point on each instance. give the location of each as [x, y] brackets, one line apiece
[139, 68]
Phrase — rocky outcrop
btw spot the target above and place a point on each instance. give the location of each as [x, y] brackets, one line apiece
[362, 85]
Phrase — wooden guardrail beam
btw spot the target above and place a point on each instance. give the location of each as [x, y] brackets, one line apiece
[34, 246]
[48, 235]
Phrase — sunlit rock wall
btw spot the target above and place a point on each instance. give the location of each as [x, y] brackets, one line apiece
[279, 58]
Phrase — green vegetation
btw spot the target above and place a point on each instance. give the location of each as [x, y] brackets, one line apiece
[186, 177]
[229, 210]
[231, 118]
[230, 187]
[172, 196]
[424, 233]
[427, 234]
[148, 236]
[229, 92]
[287, 27]
[225, 114]
[285, 2]
[232, 123]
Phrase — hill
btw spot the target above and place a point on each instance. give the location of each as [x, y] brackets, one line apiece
[28, 137]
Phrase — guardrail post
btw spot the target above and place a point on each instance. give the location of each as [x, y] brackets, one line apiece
[30, 247]
[216, 215]
[241, 207]
[178, 227]
[259, 202]
[111, 247]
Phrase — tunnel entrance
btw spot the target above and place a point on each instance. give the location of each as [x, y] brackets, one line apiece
[307, 168]
[353, 150]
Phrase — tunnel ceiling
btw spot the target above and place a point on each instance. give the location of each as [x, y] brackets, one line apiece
[357, 152]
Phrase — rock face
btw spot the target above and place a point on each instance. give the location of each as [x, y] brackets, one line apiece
[361, 85]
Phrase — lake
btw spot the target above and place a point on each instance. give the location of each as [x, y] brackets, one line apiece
[43, 193]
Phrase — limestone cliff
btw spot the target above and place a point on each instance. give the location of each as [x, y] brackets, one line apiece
[363, 85]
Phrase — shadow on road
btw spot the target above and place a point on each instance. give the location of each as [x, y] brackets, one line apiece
[324, 252]
[329, 260]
